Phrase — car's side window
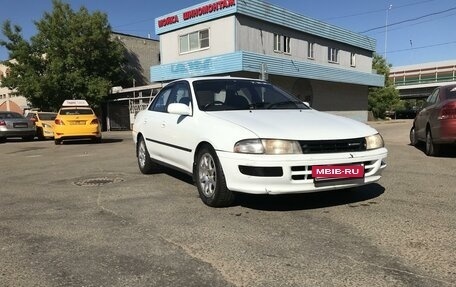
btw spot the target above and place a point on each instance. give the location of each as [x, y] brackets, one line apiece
[182, 94]
[161, 102]
[433, 97]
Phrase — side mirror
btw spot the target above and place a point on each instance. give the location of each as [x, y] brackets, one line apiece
[179, 109]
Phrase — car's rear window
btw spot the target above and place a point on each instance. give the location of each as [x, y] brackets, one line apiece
[47, 116]
[76, 111]
[451, 93]
[11, 115]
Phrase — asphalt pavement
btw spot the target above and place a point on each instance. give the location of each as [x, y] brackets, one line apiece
[81, 214]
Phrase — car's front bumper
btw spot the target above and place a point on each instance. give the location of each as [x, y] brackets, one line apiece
[296, 176]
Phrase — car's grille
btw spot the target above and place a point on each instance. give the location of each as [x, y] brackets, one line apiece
[333, 146]
[303, 173]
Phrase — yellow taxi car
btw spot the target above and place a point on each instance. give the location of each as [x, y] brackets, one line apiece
[76, 120]
[44, 122]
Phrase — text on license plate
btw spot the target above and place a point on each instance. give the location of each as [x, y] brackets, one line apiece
[77, 122]
[20, 125]
[337, 171]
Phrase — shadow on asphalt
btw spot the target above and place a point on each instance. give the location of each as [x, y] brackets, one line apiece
[103, 141]
[448, 151]
[364, 195]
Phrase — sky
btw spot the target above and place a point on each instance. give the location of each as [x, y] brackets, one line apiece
[407, 32]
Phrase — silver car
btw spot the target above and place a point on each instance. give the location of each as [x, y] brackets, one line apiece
[13, 124]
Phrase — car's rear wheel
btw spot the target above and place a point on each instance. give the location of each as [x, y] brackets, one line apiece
[58, 141]
[413, 139]
[145, 163]
[210, 180]
[431, 149]
[2, 139]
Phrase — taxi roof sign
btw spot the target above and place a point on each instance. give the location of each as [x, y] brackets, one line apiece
[75, 103]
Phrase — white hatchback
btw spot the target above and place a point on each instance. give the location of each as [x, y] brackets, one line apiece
[246, 135]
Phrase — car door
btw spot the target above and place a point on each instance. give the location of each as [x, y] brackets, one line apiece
[179, 134]
[423, 116]
[151, 124]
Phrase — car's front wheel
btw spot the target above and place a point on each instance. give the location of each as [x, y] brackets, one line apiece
[431, 149]
[145, 163]
[210, 180]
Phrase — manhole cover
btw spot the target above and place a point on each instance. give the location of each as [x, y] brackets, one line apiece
[98, 181]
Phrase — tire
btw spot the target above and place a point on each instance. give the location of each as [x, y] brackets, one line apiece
[413, 139]
[431, 148]
[210, 180]
[40, 134]
[28, 138]
[145, 163]
[2, 139]
[58, 141]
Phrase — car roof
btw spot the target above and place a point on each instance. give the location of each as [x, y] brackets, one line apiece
[216, 78]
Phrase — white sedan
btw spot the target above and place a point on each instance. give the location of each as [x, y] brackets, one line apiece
[246, 135]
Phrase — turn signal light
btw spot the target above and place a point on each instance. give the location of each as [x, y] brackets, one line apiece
[94, 122]
[2, 123]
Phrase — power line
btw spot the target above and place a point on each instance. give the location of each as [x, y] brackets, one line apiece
[377, 11]
[411, 19]
[414, 24]
[422, 47]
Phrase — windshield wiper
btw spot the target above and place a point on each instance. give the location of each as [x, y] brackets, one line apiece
[293, 104]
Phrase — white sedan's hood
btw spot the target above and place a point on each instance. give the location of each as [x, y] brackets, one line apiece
[296, 124]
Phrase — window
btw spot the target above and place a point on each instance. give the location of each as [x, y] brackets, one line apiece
[277, 43]
[353, 60]
[161, 101]
[432, 99]
[175, 93]
[310, 50]
[286, 44]
[333, 55]
[282, 44]
[194, 41]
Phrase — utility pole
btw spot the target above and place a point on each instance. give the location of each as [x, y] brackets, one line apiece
[386, 29]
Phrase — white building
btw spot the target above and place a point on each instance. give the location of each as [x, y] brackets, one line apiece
[9, 101]
[323, 64]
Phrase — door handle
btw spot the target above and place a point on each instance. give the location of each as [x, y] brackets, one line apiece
[163, 124]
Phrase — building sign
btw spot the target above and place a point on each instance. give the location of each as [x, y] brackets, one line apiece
[168, 21]
[192, 66]
[208, 8]
[196, 12]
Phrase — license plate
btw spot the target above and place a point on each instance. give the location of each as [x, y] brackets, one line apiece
[77, 122]
[20, 125]
[331, 172]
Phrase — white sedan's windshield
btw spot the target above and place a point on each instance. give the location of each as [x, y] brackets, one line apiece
[234, 94]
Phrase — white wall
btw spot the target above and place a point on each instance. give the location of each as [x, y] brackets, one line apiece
[258, 37]
[221, 41]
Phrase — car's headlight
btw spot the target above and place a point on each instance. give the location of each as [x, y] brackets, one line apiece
[267, 146]
[46, 125]
[374, 141]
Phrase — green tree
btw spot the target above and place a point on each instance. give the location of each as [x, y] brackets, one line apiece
[72, 56]
[383, 99]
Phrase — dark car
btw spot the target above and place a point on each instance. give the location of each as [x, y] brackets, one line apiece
[435, 124]
[15, 125]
